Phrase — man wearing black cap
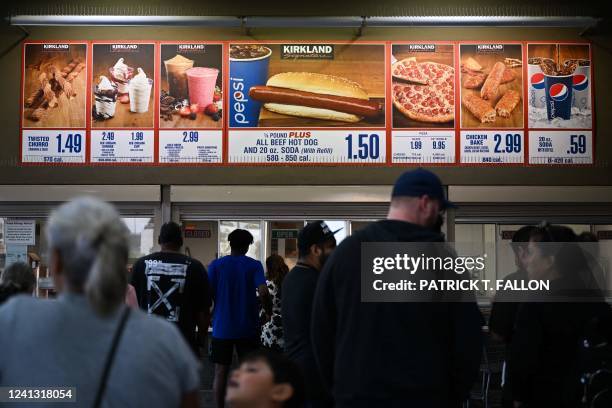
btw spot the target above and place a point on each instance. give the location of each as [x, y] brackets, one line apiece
[316, 242]
[378, 354]
[174, 286]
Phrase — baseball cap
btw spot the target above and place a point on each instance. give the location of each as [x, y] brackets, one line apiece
[314, 233]
[420, 182]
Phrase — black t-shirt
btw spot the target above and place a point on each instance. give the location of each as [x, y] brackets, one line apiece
[174, 286]
[296, 309]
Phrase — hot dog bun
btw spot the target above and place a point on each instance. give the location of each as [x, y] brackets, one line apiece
[308, 112]
[320, 84]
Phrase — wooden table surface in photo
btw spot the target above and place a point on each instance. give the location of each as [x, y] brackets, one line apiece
[124, 118]
[566, 51]
[516, 117]
[202, 121]
[68, 113]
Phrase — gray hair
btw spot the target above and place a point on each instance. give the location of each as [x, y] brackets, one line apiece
[92, 242]
[19, 275]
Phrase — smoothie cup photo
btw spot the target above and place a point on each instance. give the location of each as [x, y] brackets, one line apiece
[201, 83]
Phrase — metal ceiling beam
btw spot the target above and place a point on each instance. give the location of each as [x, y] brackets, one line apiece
[303, 22]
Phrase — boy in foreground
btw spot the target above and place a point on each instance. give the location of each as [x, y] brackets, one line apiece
[265, 379]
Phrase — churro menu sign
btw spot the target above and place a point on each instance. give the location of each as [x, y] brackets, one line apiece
[304, 103]
[54, 103]
[401, 103]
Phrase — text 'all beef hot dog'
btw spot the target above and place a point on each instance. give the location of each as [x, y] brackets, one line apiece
[314, 95]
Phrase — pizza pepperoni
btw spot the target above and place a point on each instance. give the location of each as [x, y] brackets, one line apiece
[409, 70]
[432, 101]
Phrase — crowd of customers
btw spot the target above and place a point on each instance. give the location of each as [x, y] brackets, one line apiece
[303, 337]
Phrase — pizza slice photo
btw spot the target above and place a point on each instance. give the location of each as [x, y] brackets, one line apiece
[424, 91]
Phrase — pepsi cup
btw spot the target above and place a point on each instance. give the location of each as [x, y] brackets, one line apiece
[537, 97]
[558, 96]
[581, 87]
[248, 67]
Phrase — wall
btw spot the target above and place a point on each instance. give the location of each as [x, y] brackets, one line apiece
[10, 66]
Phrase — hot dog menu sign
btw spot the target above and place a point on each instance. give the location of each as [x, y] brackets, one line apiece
[302, 103]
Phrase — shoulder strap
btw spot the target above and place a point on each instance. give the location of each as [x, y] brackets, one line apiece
[111, 357]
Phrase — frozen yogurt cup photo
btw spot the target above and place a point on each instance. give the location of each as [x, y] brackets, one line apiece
[140, 92]
[121, 74]
[105, 94]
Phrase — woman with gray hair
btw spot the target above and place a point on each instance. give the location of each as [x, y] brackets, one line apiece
[16, 279]
[87, 339]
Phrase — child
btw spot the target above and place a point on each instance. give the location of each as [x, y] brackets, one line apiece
[265, 379]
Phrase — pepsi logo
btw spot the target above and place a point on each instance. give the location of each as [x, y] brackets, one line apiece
[537, 80]
[558, 92]
[580, 82]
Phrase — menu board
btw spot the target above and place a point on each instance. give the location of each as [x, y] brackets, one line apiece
[54, 103]
[307, 103]
[191, 103]
[560, 103]
[423, 94]
[400, 103]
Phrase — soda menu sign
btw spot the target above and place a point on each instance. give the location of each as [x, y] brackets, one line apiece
[302, 103]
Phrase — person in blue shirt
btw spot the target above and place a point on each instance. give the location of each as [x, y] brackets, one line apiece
[235, 280]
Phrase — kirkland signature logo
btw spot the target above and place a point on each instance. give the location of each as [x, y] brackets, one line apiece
[124, 47]
[192, 47]
[56, 47]
[422, 47]
[490, 47]
[312, 51]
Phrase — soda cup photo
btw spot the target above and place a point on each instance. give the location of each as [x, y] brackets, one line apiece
[537, 97]
[581, 98]
[248, 67]
[558, 96]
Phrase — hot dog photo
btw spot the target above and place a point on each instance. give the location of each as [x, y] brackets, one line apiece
[317, 85]
[491, 80]
[423, 88]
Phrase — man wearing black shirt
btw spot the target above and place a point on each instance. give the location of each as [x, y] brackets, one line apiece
[388, 354]
[504, 311]
[315, 244]
[174, 286]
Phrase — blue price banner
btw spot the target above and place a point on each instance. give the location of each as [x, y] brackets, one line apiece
[122, 146]
[53, 146]
[425, 146]
[561, 147]
[492, 146]
[190, 146]
[316, 146]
